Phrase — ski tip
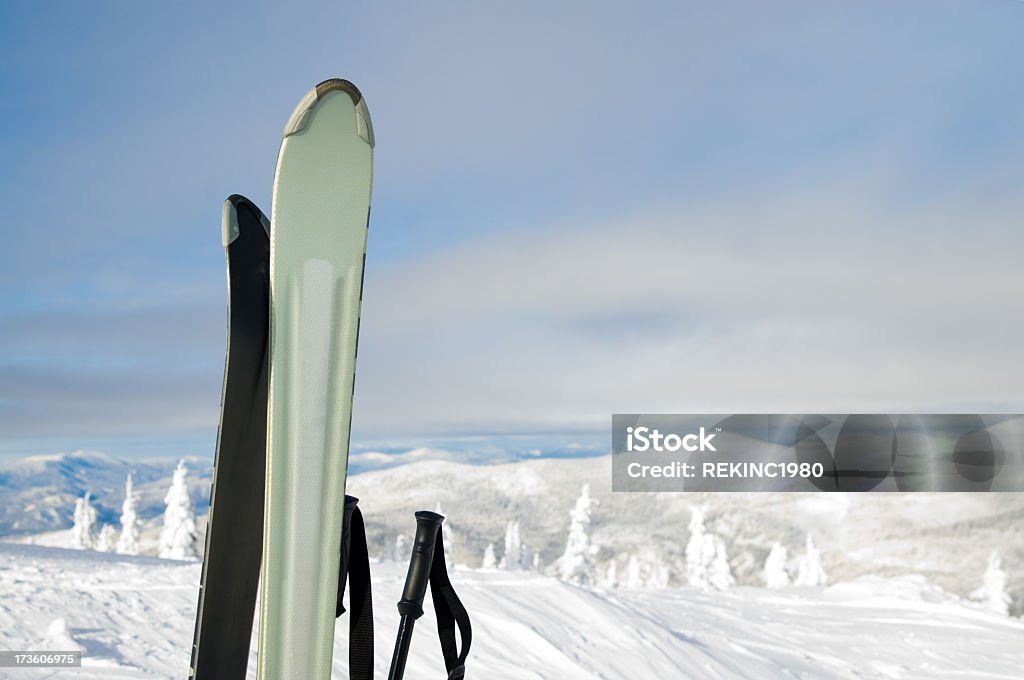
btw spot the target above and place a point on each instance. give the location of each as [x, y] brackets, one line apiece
[229, 218]
[300, 116]
[332, 84]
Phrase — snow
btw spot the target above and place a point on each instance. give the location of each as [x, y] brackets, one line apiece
[133, 618]
[775, 573]
[992, 591]
[576, 563]
[944, 536]
[809, 570]
[512, 558]
[84, 529]
[707, 564]
[179, 536]
[903, 574]
[128, 542]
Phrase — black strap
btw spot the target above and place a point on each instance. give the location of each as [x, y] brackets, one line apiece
[355, 563]
[450, 612]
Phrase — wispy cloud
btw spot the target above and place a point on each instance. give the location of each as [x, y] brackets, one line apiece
[824, 301]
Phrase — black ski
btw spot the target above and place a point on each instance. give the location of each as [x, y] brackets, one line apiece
[234, 535]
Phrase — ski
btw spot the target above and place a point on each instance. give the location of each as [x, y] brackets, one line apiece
[321, 203]
[234, 533]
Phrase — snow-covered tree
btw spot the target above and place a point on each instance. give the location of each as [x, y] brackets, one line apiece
[707, 561]
[128, 542]
[775, 574]
[611, 576]
[83, 533]
[809, 570]
[401, 551]
[107, 539]
[512, 559]
[696, 572]
[489, 560]
[993, 593]
[719, 574]
[576, 563]
[178, 538]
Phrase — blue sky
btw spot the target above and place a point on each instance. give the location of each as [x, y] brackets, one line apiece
[578, 209]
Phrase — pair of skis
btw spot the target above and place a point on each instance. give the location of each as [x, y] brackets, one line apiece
[279, 518]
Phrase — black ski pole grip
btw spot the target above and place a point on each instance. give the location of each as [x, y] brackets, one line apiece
[427, 525]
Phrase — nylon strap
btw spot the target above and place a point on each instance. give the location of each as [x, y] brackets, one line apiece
[360, 622]
[450, 612]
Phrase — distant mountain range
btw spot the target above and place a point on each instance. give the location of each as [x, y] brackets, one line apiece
[37, 493]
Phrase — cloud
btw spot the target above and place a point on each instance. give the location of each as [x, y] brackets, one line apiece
[828, 300]
[822, 302]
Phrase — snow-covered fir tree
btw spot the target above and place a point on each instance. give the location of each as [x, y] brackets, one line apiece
[537, 565]
[696, 571]
[178, 537]
[107, 539]
[707, 561]
[83, 532]
[401, 550]
[576, 563]
[512, 559]
[992, 592]
[719, 573]
[490, 562]
[775, 574]
[128, 542]
[809, 570]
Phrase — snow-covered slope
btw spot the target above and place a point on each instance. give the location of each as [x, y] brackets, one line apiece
[946, 537]
[133, 618]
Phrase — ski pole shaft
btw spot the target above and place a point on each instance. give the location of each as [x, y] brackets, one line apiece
[410, 607]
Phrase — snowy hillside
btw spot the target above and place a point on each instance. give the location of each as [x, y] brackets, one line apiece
[945, 537]
[133, 618]
[948, 538]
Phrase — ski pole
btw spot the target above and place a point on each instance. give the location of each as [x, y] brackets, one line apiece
[410, 607]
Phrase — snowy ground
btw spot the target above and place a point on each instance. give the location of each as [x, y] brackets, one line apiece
[133, 618]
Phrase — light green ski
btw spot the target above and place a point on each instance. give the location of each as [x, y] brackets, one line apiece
[318, 222]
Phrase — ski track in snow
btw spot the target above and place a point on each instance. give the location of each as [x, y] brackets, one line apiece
[133, 618]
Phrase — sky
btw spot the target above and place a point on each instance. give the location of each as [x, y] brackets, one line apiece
[579, 209]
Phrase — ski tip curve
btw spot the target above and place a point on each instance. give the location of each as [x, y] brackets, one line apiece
[229, 218]
[341, 84]
[300, 116]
